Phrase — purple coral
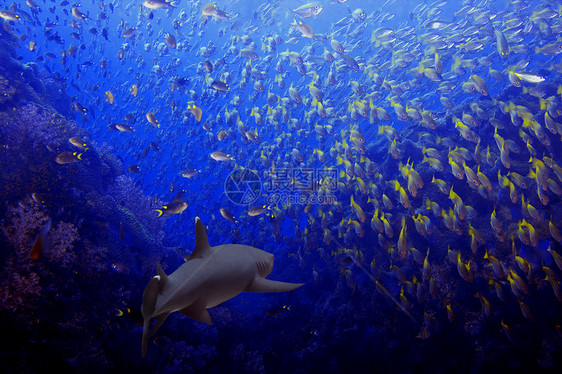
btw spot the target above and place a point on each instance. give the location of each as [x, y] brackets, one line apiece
[20, 226]
[17, 291]
[61, 245]
[20, 283]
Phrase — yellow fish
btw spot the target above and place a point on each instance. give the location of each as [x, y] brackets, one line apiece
[109, 97]
[152, 119]
[196, 111]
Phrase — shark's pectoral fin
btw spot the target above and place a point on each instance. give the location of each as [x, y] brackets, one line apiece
[149, 297]
[163, 277]
[146, 334]
[198, 313]
[260, 284]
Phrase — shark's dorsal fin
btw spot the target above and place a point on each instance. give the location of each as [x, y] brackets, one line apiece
[201, 241]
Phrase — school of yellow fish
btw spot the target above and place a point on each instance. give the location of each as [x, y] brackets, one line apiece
[445, 132]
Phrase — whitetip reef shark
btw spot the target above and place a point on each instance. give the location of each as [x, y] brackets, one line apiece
[212, 275]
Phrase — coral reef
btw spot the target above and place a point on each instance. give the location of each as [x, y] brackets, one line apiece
[104, 236]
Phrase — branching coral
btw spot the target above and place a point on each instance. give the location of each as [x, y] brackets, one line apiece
[6, 89]
[139, 232]
[136, 212]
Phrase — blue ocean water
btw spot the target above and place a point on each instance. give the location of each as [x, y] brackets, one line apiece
[399, 158]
